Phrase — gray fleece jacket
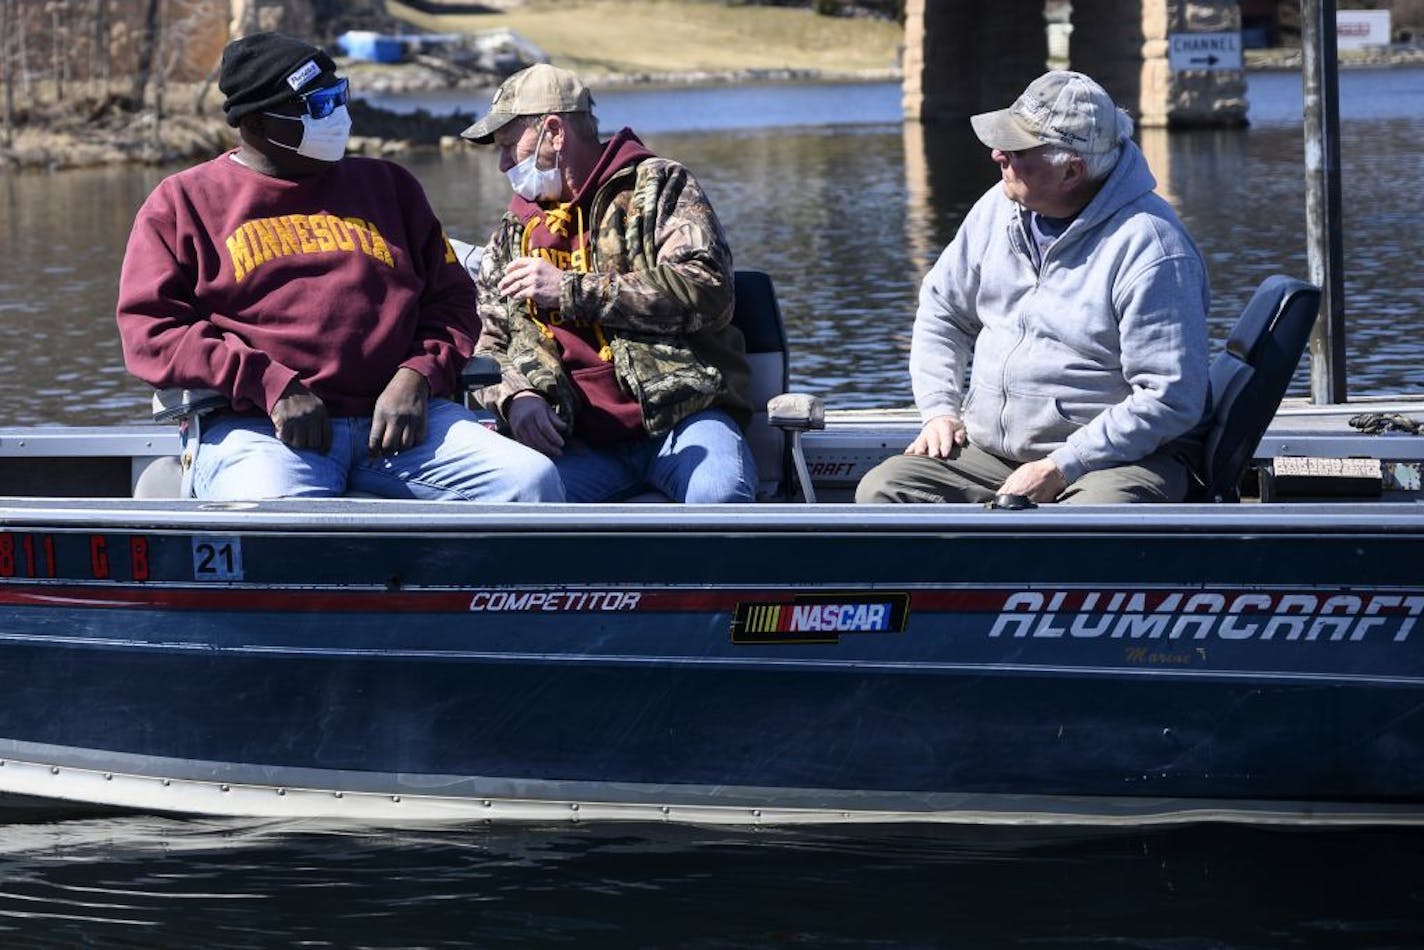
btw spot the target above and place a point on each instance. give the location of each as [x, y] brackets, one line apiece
[1097, 358]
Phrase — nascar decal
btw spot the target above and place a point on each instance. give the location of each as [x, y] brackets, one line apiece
[1209, 614]
[819, 618]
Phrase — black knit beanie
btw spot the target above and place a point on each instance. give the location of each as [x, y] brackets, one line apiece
[262, 69]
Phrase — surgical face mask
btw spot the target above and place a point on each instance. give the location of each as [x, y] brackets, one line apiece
[323, 139]
[533, 183]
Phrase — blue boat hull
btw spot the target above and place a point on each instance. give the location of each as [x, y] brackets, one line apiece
[1072, 667]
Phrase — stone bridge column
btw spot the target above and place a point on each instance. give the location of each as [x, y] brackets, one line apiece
[1124, 45]
[968, 56]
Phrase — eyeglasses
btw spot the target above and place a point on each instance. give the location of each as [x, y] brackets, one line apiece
[322, 102]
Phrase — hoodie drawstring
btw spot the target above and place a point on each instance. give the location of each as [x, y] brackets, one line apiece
[556, 221]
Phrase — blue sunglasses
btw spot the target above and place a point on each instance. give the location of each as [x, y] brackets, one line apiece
[322, 102]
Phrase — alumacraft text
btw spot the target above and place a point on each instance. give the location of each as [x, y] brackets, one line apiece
[1245, 615]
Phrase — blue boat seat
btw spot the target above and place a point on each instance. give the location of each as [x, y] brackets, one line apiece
[1249, 379]
[758, 316]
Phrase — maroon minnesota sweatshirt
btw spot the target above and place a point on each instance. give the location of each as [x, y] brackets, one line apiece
[242, 282]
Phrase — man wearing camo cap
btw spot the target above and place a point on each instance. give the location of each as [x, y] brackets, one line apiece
[1083, 302]
[606, 296]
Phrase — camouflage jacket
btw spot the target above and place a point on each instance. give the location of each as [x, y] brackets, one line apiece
[660, 286]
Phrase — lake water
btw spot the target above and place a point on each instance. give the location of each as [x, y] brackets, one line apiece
[825, 189]
[155, 882]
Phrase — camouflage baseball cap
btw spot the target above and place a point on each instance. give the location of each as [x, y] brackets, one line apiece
[1058, 108]
[539, 90]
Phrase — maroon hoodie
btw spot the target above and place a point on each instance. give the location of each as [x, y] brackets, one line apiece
[560, 234]
[242, 282]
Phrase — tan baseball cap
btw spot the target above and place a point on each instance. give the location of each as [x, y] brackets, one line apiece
[1058, 108]
[539, 90]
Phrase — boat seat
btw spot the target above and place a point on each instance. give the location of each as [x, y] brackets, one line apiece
[1249, 379]
[173, 477]
[758, 316]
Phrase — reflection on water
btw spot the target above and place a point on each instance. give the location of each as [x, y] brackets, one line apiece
[161, 882]
[845, 217]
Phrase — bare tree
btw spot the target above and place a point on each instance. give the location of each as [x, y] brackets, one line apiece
[99, 61]
[7, 69]
[21, 50]
[160, 75]
[58, 42]
[147, 41]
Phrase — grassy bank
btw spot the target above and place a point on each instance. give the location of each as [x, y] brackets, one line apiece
[605, 38]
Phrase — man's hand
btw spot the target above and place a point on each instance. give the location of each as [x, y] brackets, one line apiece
[1040, 481]
[301, 419]
[939, 437]
[532, 278]
[533, 421]
[398, 421]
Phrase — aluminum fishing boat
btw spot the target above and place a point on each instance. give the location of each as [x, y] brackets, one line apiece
[785, 661]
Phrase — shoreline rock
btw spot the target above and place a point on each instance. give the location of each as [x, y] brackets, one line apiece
[78, 134]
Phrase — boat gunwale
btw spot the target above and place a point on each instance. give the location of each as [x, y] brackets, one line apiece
[368, 515]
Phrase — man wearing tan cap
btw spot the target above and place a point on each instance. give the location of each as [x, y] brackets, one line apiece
[1083, 302]
[606, 295]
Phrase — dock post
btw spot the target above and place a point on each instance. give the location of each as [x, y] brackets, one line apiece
[1323, 224]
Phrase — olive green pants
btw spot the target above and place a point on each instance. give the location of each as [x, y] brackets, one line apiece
[973, 475]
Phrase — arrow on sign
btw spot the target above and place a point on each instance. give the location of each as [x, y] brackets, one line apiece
[1211, 60]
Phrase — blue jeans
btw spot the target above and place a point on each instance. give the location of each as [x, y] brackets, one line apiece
[704, 459]
[460, 460]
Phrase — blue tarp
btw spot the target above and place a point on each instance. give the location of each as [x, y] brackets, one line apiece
[371, 47]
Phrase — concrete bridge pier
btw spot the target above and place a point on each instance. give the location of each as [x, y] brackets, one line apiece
[1130, 56]
[970, 56]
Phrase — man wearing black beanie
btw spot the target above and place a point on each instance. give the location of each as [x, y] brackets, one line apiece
[265, 69]
[317, 292]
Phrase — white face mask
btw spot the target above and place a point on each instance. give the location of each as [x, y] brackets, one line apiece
[322, 139]
[533, 183]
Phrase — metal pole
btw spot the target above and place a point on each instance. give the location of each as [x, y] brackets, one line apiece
[1324, 227]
